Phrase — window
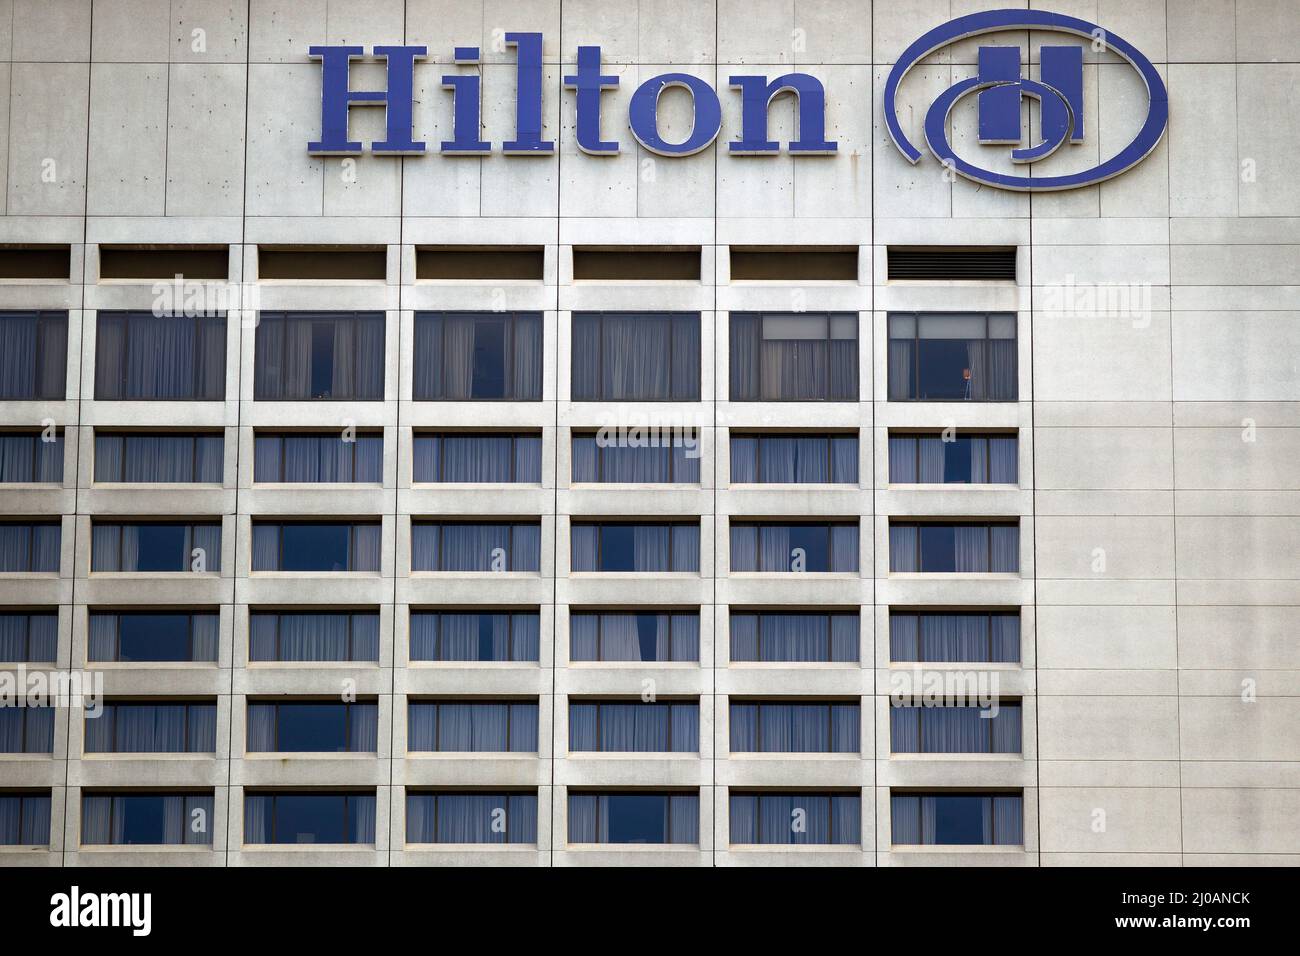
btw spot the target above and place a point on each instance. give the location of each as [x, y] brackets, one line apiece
[794, 459]
[33, 355]
[162, 458]
[316, 546]
[26, 730]
[634, 726]
[794, 547]
[158, 819]
[635, 547]
[140, 356]
[478, 356]
[30, 546]
[319, 356]
[955, 730]
[472, 726]
[957, 819]
[634, 817]
[24, 818]
[155, 546]
[319, 458]
[965, 459]
[952, 357]
[29, 637]
[489, 458]
[309, 817]
[129, 637]
[313, 727]
[982, 637]
[788, 727]
[794, 636]
[29, 458]
[634, 636]
[636, 356]
[471, 817]
[966, 548]
[137, 728]
[796, 819]
[794, 357]
[475, 635]
[313, 636]
[666, 460]
[490, 546]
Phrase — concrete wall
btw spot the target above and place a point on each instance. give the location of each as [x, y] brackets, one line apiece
[1158, 497]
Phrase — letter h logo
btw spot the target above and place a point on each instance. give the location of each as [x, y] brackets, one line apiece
[1060, 96]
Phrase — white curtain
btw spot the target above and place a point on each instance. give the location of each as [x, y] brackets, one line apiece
[844, 547]
[586, 459]
[31, 638]
[261, 728]
[205, 631]
[527, 357]
[744, 359]
[904, 549]
[206, 537]
[421, 727]
[18, 458]
[363, 727]
[109, 458]
[931, 453]
[525, 636]
[1008, 820]
[902, 368]
[457, 378]
[366, 544]
[652, 548]
[307, 636]
[96, 819]
[636, 355]
[905, 819]
[744, 459]
[904, 632]
[259, 812]
[265, 546]
[586, 823]
[686, 548]
[684, 818]
[584, 540]
[1004, 460]
[1005, 547]
[1005, 637]
[584, 637]
[425, 539]
[421, 815]
[202, 728]
[970, 548]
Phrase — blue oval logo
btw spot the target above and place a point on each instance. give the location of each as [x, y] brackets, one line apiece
[1000, 87]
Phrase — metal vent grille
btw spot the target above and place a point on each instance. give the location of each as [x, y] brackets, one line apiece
[952, 262]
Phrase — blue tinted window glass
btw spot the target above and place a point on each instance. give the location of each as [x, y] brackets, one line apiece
[489, 362]
[938, 549]
[161, 547]
[312, 728]
[314, 547]
[637, 818]
[959, 820]
[153, 637]
[618, 548]
[140, 819]
[815, 543]
[310, 818]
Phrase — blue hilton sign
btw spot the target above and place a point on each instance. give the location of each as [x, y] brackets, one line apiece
[998, 83]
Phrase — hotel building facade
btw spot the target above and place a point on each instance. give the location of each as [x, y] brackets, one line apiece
[573, 505]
